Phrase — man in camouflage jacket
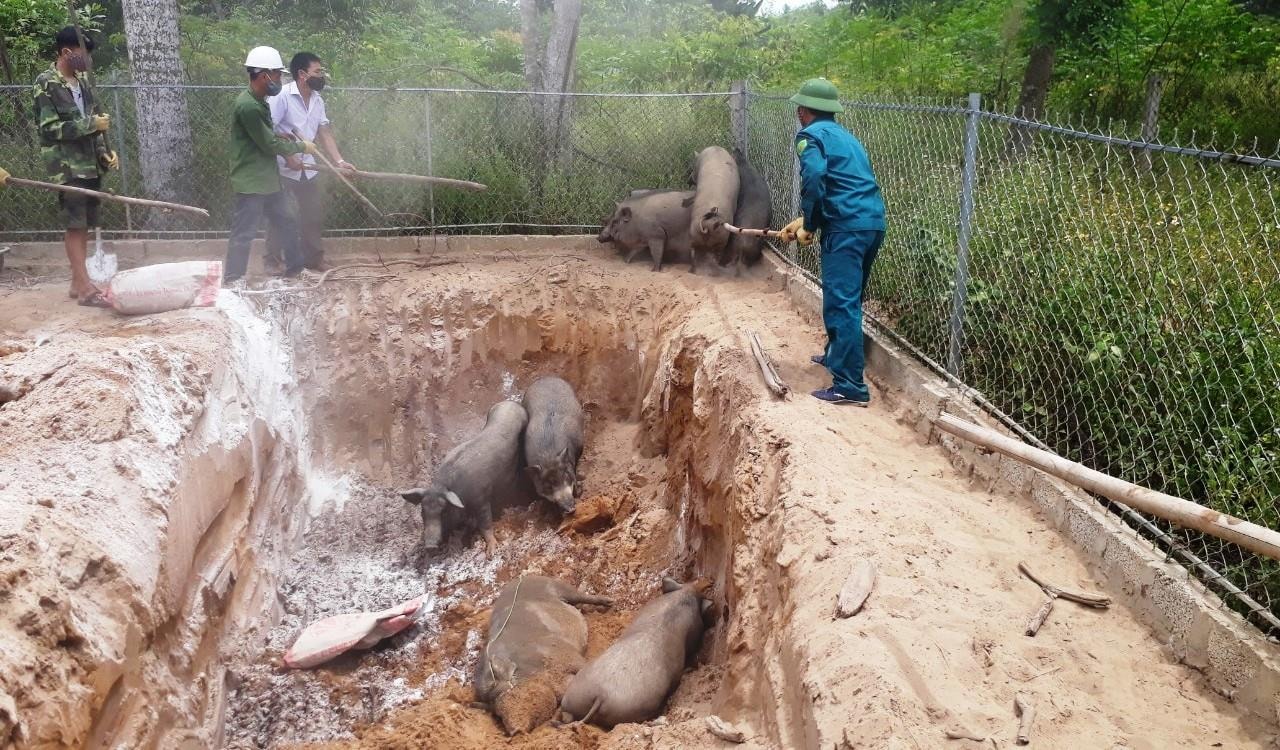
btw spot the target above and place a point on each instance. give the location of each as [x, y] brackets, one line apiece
[71, 126]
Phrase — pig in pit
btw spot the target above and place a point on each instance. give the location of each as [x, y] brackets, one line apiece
[655, 220]
[553, 441]
[469, 478]
[537, 639]
[630, 681]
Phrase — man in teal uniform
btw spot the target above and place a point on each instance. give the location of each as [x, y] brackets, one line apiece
[838, 195]
[254, 177]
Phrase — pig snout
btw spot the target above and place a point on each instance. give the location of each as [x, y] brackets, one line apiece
[563, 495]
[432, 529]
[604, 236]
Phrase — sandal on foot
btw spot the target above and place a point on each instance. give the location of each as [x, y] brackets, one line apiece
[95, 299]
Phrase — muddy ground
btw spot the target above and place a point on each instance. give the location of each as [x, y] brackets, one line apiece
[180, 494]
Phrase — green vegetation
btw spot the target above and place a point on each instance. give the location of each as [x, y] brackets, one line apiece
[1220, 59]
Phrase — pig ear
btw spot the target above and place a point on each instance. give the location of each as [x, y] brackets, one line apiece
[669, 585]
[414, 495]
[453, 499]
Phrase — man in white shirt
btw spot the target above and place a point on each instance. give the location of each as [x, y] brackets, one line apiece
[300, 108]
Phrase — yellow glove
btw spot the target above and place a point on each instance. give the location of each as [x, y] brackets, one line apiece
[788, 233]
[4, 177]
[310, 148]
[100, 123]
[804, 238]
[109, 160]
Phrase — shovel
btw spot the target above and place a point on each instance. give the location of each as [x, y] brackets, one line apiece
[101, 265]
[321, 641]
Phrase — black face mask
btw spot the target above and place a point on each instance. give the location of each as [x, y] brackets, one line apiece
[316, 83]
[77, 61]
[273, 88]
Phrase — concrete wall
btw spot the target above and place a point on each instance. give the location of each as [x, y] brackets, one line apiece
[49, 257]
[1193, 622]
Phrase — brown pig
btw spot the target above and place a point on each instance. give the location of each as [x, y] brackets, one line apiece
[630, 681]
[537, 638]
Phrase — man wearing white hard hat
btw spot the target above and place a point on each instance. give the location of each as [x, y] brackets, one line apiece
[254, 178]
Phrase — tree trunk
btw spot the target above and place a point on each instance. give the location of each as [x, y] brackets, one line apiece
[531, 41]
[549, 65]
[558, 71]
[19, 96]
[164, 128]
[1035, 88]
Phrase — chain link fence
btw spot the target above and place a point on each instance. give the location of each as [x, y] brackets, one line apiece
[551, 163]
[1113, 301]
[1110, 300]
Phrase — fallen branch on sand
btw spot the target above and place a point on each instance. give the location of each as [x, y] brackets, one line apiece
[1026, 712]
[771, 377]
[325, 276]
[857, 587]
[1054, 592]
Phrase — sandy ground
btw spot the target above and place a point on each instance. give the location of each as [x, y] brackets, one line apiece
[702, 471]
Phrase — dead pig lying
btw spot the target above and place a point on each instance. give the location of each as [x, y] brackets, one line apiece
[754, 211]
[537, 639]
[715, 175]
[657, 221]
[553, 441]
[467, 481]
[630, 681]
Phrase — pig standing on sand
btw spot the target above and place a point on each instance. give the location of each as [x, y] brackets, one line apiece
[553, 440]
[653, 220]
[754, 211]
[632, 679]
[470, 476]
[715, 175]
[537, 638]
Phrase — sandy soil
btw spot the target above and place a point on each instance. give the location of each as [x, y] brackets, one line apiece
[118, 625]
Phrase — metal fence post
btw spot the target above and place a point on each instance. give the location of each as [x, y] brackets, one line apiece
[738, 115]
[431, 193]
[955, 355]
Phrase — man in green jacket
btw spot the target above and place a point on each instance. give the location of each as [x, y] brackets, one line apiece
[70, 127]
[254, 177]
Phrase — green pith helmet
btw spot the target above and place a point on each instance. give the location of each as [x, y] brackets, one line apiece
[820, 95]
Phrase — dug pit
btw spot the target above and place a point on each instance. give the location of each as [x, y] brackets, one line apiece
[180, 494]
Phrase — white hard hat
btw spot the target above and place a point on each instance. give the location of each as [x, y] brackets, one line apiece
[264, 58]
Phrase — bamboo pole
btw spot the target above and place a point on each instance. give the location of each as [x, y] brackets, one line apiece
[343, 177]
[474, 187]
[1255, 538]
[164, 205]
[752, 232]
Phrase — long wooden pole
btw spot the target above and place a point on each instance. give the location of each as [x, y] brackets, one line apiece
[1255, 538]
[344, 179]
[474, 187]
[752, 232]
[165, 205]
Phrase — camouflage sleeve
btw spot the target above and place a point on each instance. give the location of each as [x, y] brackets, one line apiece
[51, 125]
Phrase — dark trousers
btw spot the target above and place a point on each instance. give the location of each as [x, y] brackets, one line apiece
[304, 198]
[245, 218]
[846, 266]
